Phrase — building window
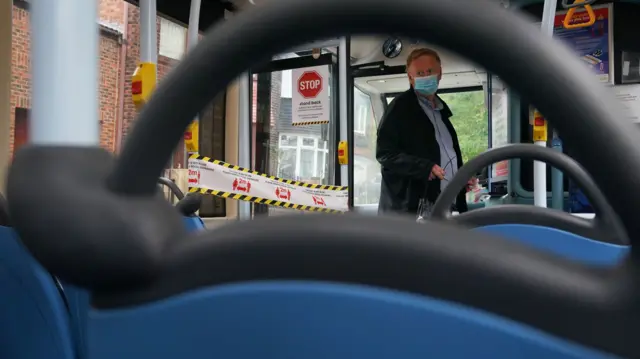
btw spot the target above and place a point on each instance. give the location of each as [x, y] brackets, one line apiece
[21, 128]
[302, 158]
[173, 39]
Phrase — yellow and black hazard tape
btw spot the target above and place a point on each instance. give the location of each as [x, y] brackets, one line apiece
[310, 123]
[270, 202]
[274, 178]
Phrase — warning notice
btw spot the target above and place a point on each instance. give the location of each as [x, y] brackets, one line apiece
[310, 96]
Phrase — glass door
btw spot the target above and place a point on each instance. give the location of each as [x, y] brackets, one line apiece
[294, 120]
[373, 87]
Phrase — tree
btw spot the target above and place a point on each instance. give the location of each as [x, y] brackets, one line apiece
[470, 121]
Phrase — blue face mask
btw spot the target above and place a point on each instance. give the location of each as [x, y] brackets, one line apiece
[427, 85]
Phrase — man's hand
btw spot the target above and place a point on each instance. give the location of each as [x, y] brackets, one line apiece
[471, 183]
[436, 172]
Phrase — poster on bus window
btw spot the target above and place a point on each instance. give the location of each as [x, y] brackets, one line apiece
[310, 96]
[629, 97]
[592, 44]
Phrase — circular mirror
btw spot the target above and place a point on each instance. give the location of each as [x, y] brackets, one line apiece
[392, 47]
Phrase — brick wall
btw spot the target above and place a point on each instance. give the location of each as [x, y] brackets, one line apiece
[20, 65]
[111, 42]
[131, 61]
[112, 12]
[108, 90]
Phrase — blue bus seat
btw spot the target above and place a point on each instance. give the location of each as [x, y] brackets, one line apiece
[33, 315]
[193, 223]
[561, 242]
[187, 207]
[77, 300]
[578, 201]
[315, 320]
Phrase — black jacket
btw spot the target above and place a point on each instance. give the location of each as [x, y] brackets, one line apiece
[407, 150]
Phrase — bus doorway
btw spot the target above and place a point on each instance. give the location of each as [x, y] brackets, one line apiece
[375, 85]
[293, 120]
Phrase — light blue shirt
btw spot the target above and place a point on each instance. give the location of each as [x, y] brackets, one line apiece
[448, 157]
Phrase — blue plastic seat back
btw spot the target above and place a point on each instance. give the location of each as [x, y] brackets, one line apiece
[193, 223]
[33, 315]
[314, 320]
[578, 201]
[560, 242]
[77, 299]
[78, 307]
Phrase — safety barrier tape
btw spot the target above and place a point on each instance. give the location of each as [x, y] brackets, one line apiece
[274, 178]
[218, 178]
[270, 202]
[307, 123]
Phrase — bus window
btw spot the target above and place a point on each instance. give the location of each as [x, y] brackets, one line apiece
[366, 176]
[469, 120]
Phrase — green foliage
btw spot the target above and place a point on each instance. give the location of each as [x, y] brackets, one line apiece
[470, 121]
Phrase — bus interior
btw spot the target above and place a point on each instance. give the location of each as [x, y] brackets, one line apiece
[115, 256]
[485, 113]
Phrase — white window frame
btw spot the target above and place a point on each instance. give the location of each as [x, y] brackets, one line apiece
[173, 39]
[318, 171]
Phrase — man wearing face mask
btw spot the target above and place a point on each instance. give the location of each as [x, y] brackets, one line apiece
[417, 145]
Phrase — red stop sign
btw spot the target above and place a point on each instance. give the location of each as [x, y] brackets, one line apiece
[310, 84]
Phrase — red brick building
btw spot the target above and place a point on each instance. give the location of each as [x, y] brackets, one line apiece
[119, 55]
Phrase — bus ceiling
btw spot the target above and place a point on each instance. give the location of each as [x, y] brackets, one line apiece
[212, 11]
[457, 72]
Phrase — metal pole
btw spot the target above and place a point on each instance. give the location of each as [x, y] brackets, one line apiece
[65, 73]
[149, 41]
[194, 25]
[344, 62]
[490, 127]
[540, 168]
[244, 137]
[148, 32]
[192, 41]
[557, 180]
